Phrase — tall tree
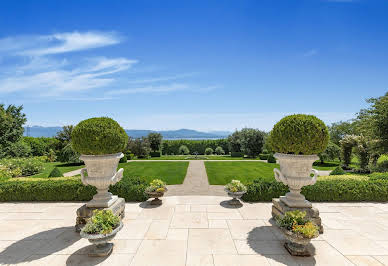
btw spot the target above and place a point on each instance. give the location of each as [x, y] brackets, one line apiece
[155, 140]
[252, 141]
[340, 129]
[12, 120]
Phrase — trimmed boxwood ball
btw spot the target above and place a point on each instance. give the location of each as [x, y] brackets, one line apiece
[300, 134]
[55, 173]
[98, 136]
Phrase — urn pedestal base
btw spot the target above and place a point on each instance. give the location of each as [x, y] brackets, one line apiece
[85, 212]
[279, 208]
[101, 250]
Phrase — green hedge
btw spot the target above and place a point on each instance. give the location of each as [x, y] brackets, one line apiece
[171, 147]
[263, 156]
[131, 189]
[155, 154]
[324, 190]
[236, 154]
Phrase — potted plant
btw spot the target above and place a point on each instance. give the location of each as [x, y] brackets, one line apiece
[298, 139]
[156, 190]
[298, 231]
[100, 141]
[236, 190]
[101, 228]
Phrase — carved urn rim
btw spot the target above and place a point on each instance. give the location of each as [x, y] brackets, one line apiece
[118, 155]
[284, 156]
[102, 236]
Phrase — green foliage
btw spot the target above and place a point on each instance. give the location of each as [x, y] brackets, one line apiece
[219, 150]
[332, 152]
[379, 176]
[362, 150]
[342, 190]
[299, 134]
[171, 147]
[347, 144]
[236, 154]
[252, 141]
[271, 159]
[183, 150]
[51, 157]
[209, 151]
[55, 173]
[24, 166]
[340, 129]
[69, 155]
[156, 185]
[139, 147]
[382, 163]
[236, 186]
[291, 218]
[337, 171]
[235, 142]
[19, 149]
[155, 154]
[264, 156]
[97, 136]
[11, 127]
[102, 222]
[124, 159]
[155, 140]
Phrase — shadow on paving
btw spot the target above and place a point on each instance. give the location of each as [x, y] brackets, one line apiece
[267, 249]
[47, 242]
[226, 204]
[75, 260]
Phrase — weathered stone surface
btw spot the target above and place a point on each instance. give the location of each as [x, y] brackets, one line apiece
[84, 212]
[279, 209]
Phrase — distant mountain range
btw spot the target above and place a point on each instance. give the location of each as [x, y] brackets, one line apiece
[38, 131]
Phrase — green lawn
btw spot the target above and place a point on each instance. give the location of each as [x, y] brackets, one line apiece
[221, 173]
[170, 172]
[63, 167]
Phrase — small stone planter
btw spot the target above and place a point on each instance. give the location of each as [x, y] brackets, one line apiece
[156, 196]
[236, 196]
[101, 246]
[296, 244]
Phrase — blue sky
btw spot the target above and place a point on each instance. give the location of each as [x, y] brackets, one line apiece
[206, 65]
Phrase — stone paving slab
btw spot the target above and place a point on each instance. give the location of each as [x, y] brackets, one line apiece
[193, 230]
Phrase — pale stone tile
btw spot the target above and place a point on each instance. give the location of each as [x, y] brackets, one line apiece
[130, 215]
[39, 260]
[189, 220]
[219, 208]
[224, 215]
[125, 246]
[364, 261]
[210, 241]
[68, 242]
[199, 260]
[382, 259]
[260, 247]
[133, 207]
[158, 230]
[349, 242]
[256, 211]
[218, 224]
[177, 234]
[359, 212]
[250, 229]
[239, 260]
[118, 259]
[287, 260]
[198, 208]
[134, 229]
[182, 208]
[161, 252]
[159, 213]
[324, 254]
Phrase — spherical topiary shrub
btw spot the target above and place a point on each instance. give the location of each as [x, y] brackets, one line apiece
[300, 134]
[98, 136]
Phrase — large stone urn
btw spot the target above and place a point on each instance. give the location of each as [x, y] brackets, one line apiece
[101, 172]
[295, 171]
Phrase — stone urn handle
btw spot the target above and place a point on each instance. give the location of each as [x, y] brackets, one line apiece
[118, 176]
[83, 179]
[279, 176]
[314, 179]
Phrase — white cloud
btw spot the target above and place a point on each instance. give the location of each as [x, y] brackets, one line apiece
[311, 52]
[150, 89]
[158, 79]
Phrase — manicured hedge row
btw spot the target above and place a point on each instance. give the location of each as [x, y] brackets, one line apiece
[131, 189]
[324, 190]
[172, 146]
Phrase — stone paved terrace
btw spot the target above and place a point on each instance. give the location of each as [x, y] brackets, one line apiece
[192, 230]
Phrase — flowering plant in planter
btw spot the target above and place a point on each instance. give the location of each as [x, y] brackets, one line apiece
[236, 190]
[156, 190]
[298, 231]
[297, 139]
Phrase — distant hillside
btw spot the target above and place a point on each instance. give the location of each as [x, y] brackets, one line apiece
[38, 131]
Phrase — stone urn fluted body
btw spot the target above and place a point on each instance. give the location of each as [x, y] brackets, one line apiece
[295, 171]
[101, 172]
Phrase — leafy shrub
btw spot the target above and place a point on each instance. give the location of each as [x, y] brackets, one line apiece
[219, 150]
[69, 189]
[155, 140]
[296, 222]
[97, 136]
[69, 155]
[236, 186]
[184, 150]
[324, 190]
[20, 149]
[347, 144]
[156, 185]
[299, 134]
[27, 166]
[124, 159]
[209, 151]
[379, 176]
[171, 147]
[264, 156]
[337, 171]
[140, 147]
[155, 154]
[382, 163]
[55, 173]
[332, 152]
[252, 141]
[51, 157]
[102, 222]
[362, 152]
[236, 154]
[234, 142]
[271, 159]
